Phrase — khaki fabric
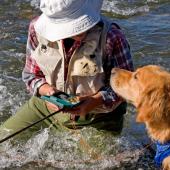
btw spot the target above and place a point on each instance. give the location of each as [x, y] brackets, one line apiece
[85, 74]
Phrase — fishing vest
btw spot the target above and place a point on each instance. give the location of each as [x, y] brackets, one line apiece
[85, 70]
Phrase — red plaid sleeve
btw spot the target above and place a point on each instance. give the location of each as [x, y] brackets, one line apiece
[32, 75]
[117, 55]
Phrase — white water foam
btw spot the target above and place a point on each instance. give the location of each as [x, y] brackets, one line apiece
[3, 96]
[35, 3]
[12, 53]
[113, 6]
[10, 101]
[116, 8]
[63, 150]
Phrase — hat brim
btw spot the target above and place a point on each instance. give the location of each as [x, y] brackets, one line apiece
[54, 30]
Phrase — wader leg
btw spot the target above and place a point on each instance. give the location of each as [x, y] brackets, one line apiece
[32, 111]
[112, 121]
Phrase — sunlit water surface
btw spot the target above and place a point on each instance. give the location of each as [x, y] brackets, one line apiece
[147, 27]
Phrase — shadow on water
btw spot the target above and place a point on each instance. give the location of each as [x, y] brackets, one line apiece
[146, 24]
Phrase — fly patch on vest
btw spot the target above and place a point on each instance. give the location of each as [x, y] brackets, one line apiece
[88, 60]
[86, 66]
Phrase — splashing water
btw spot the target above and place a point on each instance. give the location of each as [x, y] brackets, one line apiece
[122, 7]
[65, 150]
[126, 10]
[89, 148]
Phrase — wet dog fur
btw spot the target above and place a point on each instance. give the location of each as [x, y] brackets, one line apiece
[148, 89]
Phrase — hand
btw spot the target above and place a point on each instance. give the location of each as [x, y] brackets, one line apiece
[88, 104]
[47, 90]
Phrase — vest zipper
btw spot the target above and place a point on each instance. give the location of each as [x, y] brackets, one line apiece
[68, 71]
[64, 54]
[68, 68]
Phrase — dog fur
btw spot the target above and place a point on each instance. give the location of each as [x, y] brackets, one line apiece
[148, 89]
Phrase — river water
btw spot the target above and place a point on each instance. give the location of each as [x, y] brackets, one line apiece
[147, 27]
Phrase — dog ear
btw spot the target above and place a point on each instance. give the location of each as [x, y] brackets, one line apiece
[154, 104]
[167, 101]
[144, 107]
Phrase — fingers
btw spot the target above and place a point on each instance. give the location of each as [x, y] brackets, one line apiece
[77, 112]
[81, 98]
[47, 90]
[50, 92]
[85, 97]
[72, 117]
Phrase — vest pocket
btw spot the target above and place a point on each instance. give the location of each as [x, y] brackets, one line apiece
[50, 62]
[87, 85]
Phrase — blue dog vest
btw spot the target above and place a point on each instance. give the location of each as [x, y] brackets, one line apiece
[162, 151]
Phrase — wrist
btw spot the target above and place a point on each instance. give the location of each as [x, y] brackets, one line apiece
[40, 89]
[98, 98]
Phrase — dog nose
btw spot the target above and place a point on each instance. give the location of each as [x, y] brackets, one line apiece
[113, 71]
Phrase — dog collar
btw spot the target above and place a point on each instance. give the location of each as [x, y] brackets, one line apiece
[162, 151]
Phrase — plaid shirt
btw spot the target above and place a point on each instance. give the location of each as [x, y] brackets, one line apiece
[117, 55]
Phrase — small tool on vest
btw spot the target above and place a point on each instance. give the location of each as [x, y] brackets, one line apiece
[62, 100]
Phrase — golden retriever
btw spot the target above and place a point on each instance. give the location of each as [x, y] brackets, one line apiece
[148, 89]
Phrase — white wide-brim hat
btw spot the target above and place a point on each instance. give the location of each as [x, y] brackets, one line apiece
[66, 18]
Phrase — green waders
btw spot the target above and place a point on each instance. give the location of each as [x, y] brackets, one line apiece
[35, 109]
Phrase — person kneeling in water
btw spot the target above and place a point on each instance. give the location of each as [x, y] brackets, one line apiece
[72, 48]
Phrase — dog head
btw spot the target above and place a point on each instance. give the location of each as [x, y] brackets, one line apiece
[148, 89]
